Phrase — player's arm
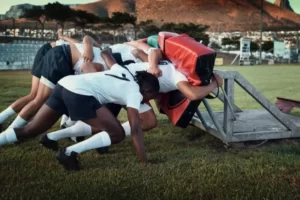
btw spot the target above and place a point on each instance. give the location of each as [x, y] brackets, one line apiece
[154, 57]
[90, 40]
[66, 38]
[108, 58]
[140, 54]
[136, 133]
[88, 44]
[88, 54]
[139, 45]
[199, 92]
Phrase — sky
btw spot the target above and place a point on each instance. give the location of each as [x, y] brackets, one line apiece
[6, 5]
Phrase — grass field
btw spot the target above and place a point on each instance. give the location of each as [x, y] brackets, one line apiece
[183, 163]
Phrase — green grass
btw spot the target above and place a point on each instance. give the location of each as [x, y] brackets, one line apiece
[184, 163]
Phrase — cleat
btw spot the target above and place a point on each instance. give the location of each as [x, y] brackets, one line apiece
[103, 150]
[49, 144]
[69, 162]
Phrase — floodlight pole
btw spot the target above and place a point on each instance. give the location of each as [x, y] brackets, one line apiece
[298, 42]
[14, 26]
[261, 29]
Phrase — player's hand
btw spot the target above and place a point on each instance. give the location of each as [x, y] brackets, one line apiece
[88, 54]
[155, 71]
[219, 79]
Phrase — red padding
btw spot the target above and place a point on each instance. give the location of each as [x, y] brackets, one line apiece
[183, 51]
[162, 36]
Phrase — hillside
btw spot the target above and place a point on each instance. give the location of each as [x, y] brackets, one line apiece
[225, 15]
[220, 15]
[104, 8]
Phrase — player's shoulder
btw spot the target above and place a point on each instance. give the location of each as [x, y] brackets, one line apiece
[132, 86]
[138, 65]
[116, 66]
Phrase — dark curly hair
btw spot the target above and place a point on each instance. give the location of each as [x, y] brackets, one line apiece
[147, 81]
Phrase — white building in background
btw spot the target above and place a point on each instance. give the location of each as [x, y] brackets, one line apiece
[279, 49]
[245, 44]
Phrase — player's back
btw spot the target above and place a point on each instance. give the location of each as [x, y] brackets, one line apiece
[109, 86]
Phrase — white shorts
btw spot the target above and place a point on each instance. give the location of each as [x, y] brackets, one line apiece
[129, 56]
[121, 48]
[125, 51]
[144, 108]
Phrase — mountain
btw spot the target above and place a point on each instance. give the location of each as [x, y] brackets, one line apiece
[16, 10]
[284, 4]
[220, 15]
[223, 15]
[104, 8]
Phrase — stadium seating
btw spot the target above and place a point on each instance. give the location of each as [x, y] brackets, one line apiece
[19, 54]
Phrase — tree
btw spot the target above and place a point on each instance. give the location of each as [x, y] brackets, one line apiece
[111, 26]
[106, 36]
[36, 13]
[267, 46]
[149, 30]
[214, 45]
[82, 18]
[58, 12]
[121, 18]
[254, 46]
[231, 41]
[117, 21]
[200, 37]
[227, 41]
[146, 27]
[180, 28]
[168, 27]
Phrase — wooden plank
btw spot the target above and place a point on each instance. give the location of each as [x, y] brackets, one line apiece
[228, 115]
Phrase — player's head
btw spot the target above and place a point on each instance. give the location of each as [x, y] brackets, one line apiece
[149, 85]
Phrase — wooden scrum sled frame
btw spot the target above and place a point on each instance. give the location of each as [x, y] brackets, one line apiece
[233, 125]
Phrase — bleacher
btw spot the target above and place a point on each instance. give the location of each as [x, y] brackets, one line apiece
[19, 54]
